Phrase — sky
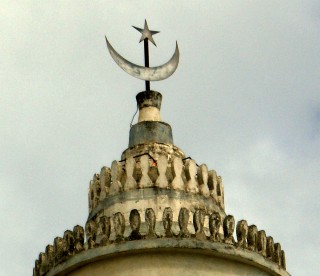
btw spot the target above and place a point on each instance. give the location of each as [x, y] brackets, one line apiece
[244, 100]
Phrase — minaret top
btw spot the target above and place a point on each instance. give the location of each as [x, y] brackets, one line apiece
[155, 204]
[150, 128]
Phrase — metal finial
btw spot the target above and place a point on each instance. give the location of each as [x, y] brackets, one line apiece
[145, 72]
[146, 36]
[146, 33]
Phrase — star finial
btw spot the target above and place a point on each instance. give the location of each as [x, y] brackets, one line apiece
[146, 33]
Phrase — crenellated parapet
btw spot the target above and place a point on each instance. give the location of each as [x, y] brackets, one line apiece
[62, 249]
[165, 172]
[198, 225]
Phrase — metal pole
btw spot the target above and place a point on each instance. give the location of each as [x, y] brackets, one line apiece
[146, 60]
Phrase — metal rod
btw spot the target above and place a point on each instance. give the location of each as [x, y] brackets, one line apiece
[136, 156]
[146, 59]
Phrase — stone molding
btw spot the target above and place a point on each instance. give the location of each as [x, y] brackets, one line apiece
[156, 194]
[188, 246]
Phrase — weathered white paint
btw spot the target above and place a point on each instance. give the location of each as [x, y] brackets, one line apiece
[149, 113]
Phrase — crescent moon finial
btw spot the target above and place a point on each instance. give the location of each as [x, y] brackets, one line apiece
[145, 72]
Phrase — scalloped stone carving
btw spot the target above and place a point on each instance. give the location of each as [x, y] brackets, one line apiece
[203, 180]
[228, 229]
[167, 221]
[262, 242]
[198, 222]
[150, 218]
[177, 182]
[116, 173]
[183, 220]
[214, 226]
[191, 173]
[162, 180]
[119, 226]
[242, 232]
[135, 222]
[252, 237]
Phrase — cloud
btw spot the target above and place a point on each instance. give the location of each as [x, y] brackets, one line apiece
[244, 100]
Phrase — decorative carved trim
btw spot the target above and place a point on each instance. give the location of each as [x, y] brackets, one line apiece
[144, 171]
[248, 238]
